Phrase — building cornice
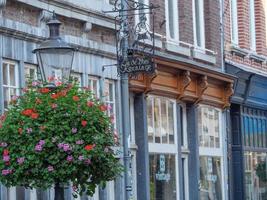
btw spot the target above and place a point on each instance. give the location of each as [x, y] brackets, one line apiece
[74, 11]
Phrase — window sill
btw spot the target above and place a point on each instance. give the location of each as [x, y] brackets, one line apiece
[257, 58]
[175, 47]
[239, 51]
[202, 54]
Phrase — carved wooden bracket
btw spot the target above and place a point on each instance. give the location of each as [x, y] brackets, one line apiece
[184, 80]
[148, 81]
[228, 92]
[202, 85]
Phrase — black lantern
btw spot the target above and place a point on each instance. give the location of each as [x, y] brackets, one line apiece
[54, 56]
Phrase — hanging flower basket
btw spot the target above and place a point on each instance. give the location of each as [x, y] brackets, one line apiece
[57, 136]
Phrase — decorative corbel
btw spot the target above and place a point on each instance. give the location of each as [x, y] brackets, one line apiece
[148, 81]
[44, 16]
[228, 92]
[87, 27]
[184, 81]
[202, 85]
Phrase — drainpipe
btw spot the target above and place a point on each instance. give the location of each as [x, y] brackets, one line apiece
[222, 33]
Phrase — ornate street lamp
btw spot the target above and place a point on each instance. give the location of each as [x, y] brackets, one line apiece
[54, 56]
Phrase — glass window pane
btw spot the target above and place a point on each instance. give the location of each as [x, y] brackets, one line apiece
[5, 74]
[164, 121]
[12, 75]
[157, 119]
[171, 18]
[255, 175]
[210, 178]
[111, 95]
[150, 119]
[6, 97]
[162, 177]
[171, 122]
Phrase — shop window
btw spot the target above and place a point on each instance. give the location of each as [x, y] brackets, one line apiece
[109, 97]
[10, 79]
[163, 149]
[160, 120]
[255, 175]
[254, 128]
[171, 12]
[234, 23]
[199, 26]
[211, 160]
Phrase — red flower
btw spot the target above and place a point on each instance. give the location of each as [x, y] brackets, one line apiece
[103, 108]
[54, 96]
[89, 147]
[90, 103]
[44, 90]
[34, 115]
[7, 163]
[5, 152]
[75, 98]
[1, 126]
[27, 112]
[63, 93]
[84, 123]
[20, 130]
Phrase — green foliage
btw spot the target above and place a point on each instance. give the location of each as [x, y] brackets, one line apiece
[57, 136]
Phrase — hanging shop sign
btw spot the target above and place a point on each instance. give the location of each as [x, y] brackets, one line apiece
[161, 175]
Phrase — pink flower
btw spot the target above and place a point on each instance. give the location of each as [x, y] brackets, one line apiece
[29, 130]
[66, 147]
[79, 142]
[41, 142]
[80, 158]
[60, 145]
[20, 160]
[38, 147]
[3, 144]
[6, 158]
[35, 83]
[50, 168]
[54, 105]
[69, 158]
[74, 130]
[14, 98]
[90, 103]
[58, 83]
[6, 172]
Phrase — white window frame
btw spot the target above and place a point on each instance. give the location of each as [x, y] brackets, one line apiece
[202, 24]
[159, 148]
[94, 78]
[234, 23]
[17, 83]
[78, 76]
[27, 68]
[217, 152]
[175, 19]
[252, 25]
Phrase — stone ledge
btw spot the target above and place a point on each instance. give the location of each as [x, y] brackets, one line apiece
[176, 48]
[202, 55]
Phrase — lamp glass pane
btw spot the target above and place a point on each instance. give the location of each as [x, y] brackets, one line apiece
[56, 64]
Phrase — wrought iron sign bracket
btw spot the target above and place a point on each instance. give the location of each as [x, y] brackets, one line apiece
[134, 25]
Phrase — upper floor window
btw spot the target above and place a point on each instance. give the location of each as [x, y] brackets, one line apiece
[234, 22]
[77, 77]
[252, 25]
[10, 78]
[199, 25]
[171, 11]
[93, 84]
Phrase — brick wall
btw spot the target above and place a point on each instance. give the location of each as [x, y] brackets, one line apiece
[212, 27]
[244, 33]
[160, 23]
